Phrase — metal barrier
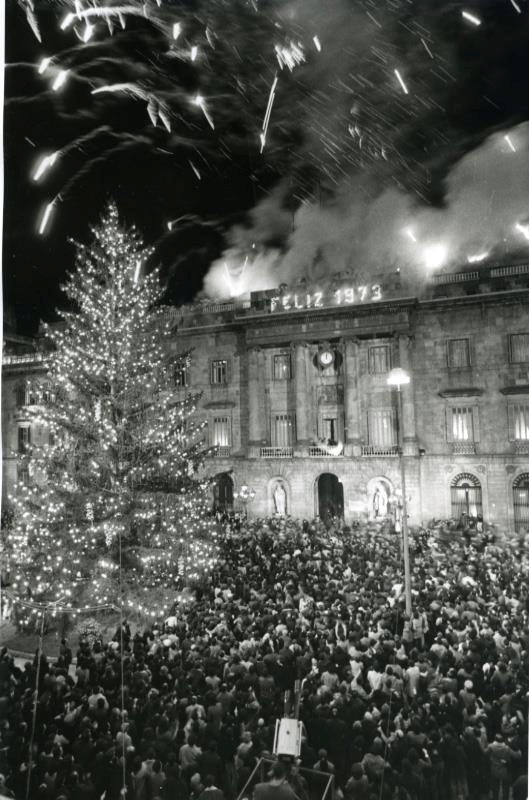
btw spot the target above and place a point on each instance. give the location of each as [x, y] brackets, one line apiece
[316, 785]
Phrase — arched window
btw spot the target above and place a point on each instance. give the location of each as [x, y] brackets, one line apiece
[520, 490]
[466, 498]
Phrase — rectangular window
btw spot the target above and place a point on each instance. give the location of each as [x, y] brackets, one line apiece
[219, 371]
[462, 424]
[283, 430]
[379, 359]
[519, 422]
[47, 396]
[33, 395]
[282, 368]
[330, 430]
[458, 353]
[20, 394]
[24, 438]
[181, 376]
[519, 348]
[382, 428]
[221, 432]
[23, 475]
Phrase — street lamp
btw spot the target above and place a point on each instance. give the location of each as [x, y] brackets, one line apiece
[397, 378]
[245, 495]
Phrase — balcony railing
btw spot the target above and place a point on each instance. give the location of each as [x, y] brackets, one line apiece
[456, 277]
[320, 452]
[222, 450]
[504, 272]
[25, 358]
[521, 446]
[276, 452]
[216, 308]
[371, 450]
[463, 448]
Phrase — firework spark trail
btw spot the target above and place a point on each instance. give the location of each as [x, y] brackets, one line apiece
[340, 97]
[268, 111]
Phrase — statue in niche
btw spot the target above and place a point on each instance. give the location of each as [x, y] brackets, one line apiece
[380, 501]
[280, 499]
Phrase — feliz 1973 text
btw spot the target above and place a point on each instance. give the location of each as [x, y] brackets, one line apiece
[339, 297]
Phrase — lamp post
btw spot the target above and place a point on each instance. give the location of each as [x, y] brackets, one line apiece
[245, 495]
[398, 378]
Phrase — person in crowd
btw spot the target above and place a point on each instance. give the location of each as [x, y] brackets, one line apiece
[392, 706]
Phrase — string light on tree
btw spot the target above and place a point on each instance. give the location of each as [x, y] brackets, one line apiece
[119, 490]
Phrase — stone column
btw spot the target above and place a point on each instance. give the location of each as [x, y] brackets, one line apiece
[301, 393]
[351, 399]
[255, 401]
[409, 431]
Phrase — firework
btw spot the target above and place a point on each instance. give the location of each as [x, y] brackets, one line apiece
[400, 80]
[471, 18]
[476, 258]
[338, 103]
[46, 217]
[45, 163]
[509, 142]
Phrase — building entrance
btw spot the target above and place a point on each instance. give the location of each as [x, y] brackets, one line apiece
[223, 492]
[521, 503]
[466, 496]
[330, 496]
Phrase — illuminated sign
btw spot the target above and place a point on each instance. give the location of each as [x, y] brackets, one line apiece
[346, 296]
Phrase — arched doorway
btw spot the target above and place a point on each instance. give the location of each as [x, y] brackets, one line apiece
[223, 492]
[520, 490]
[330, 496]
[465, 492]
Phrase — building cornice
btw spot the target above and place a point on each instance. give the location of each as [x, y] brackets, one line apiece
[515, 389]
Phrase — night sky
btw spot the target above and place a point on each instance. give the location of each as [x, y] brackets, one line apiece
[349, 142]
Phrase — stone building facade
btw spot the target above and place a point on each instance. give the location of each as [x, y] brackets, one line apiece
[295, 389]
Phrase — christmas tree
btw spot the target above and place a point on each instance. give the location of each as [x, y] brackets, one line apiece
[115, 512]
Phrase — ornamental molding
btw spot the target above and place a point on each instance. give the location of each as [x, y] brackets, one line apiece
[517, 389]
[464, 391]
[219, 404]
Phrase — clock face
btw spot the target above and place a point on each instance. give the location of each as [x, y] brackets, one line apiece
[326, 358]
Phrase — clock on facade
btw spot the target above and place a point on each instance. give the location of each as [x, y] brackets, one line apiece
[326, 358]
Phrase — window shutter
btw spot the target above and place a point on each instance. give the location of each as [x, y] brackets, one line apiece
[230, 440]
[510, 419]
[229, 370]
[449, 425]
[475, 422]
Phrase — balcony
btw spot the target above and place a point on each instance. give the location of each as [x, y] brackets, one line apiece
[505, 272]
[463, 448]
[276, 452]
[320, 452]
[25, 358]
[455, 277]
[521, 446]
[374, 450]
[222, 451]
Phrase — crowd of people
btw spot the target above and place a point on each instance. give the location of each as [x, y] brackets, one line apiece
[295, 617]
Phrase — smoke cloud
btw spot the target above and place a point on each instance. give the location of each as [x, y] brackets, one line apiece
[364, 230]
